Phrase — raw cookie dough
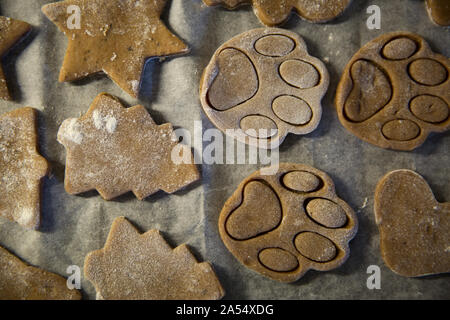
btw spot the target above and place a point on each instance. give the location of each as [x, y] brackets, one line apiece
[287, 223]
[19, 281]
[275, 12]
[414, 227]
[114, 36]
[22, 168]
[114, 150]
[262, 85]
[395, 91]
[135, 266]
[11, 31]
[439, 11]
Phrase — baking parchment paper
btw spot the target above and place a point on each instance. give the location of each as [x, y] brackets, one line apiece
[72, 226]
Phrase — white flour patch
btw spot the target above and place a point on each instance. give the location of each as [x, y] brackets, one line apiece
[108, 123]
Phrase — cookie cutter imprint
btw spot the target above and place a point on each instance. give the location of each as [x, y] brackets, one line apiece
[304, 225]
[278, 87]
[401, 96]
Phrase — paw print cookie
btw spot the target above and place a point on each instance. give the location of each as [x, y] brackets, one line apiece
[414, 227]
[395, 91]
[285, 224]
[114, 37]
[262, 85]
[439, 11]
[275, 12]
[143, 266]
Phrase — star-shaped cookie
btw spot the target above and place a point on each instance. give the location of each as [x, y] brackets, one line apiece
[11, 31]
[275, 12]
[134, 266]
[113, 36]
[115, 149]
[19, 281]
[439, 11]
[21, 168]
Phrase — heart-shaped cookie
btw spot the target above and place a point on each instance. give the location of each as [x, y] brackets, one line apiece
[414, 227]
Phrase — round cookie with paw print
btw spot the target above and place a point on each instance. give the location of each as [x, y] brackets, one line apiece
[283, 225]
[262, 85]
[395, 91]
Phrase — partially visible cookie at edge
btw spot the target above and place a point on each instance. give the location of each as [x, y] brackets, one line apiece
[19, 281]
[395, 91]
[22, 168]
[439, 11]
[135, 266]
[414, 227]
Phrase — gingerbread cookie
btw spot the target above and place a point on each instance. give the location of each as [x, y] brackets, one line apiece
[115, 150]
[11, 31]
[22, 168]
[439, 11]
[262, 85]
[286, 224]
[113, 36]
[414, 227]
[135, 266]
[275, 12]
[19, 281]
[395, 91]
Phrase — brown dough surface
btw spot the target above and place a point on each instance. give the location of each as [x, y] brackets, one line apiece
[275, 12]
[439, 11]
[19, 281]
[135, 266]
[285, 224]
[395, 91]
[264, 79]
[21, 168]
[414, 227]
[11, 31]
[114, 150]
[116, 37]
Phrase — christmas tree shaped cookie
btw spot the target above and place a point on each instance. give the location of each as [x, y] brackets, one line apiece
[112, 36]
